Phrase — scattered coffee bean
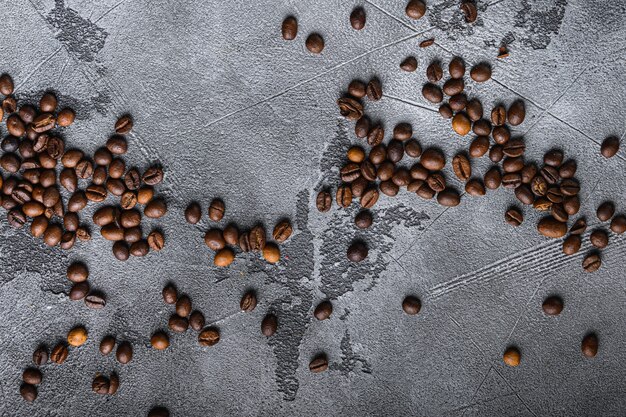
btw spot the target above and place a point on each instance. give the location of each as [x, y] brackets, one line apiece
[289, 28]
[516, 113]
[271, 253]
[6, 85]
[95, 301]
[469, 10]
[432, 159]
[357, 89]
[357, 18]
[106, 345]
[59, 354]
[409, 64]
[618, 224]
[315, 43]
[599, 239]
[475, 187]
[318, 364]
[552, 228]
[453, 86]
[32, 376]
[479, 146]
[77, 336]
[40, 356]
[363, 220]
[610, 147]
[605, 211]
[323, 201]
[178, 324]
[224, 258]
[269, 325]
[323, 310]
[514, 217]
[592, 263]
[589, 345]
[461, 166]
[481, 72]
[446, 111]
[411, 305]
[344, 196]
[456, 68]
[216, 210]
[415, 9]
[100, 385]
[124, 353]
[282, 231]
[572, 244]
[160, 341]
[124, 125]
[434, 72]
[461, 124]
[248, 302]
[28, 392]
[552, 306]
[448, 198]
[432, 93]
[511, 356]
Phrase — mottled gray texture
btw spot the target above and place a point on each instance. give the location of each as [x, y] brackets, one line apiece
[231, 110]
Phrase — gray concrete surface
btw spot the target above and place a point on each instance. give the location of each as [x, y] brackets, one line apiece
[231, 110]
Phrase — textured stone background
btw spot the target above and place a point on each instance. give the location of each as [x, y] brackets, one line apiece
[231, 110]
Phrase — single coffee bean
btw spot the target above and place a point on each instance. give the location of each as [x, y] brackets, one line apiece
[77, 336]
[224, 258]
[610, 147]
[605, 211]
[453, 86]
[462, 168]
[32, 376]
[395, 152]
[318, 364]
[77, 202]
[124, 125]
[516, 113]
[579, 227]
[461, 124]
[95, 301]
[193, 213]
[550, 174]
[446, 111]
[231, 235]
[589, 345]
[469, 10]
[374, 90]
[376, 135]
[415, 9]
[156, 240]
[84, 169]
[155, 209]
[6, 85]
[378, 154]
[178, 324]
[389, 188]
[209, 337]
[552, 306]
[458, 102]
[475, 187]
[432, 159]
[117, 167]
[357, 89]
[449, 198]
[357, 18]
[539, 185]
[568, 169]
[529, 172]
[501, 134]
[493, 178]
[248, 301]
[572, 244]
[160, 341]
[559, 213]
[183, 306]
[257, 238]
[359, 186]
[48, 102]
[16, 218]
[409, 64]
[432, 93]
[344, 196]
[323, 310]
[592, 263]
[196, 321]
[28, 392]
[315, 43]
[42, 123]
[170, 295]
[83, 234]
[571, 205]
[32, 208]
[269, 325]
[553, 158]
[115, 186]
[68, 239]
[289, 28]
[71, 157]
[369, 198]
[102, 156]
[363, 220]
[514, 217]
[40, 356]
[479, 146]
[271, 253]
[350, 172]
[618, 224]
[434, 72]
[10, 162]
[77, 272]
[474, 110]
[569, 187]
[411, 305]
[79, 291]
[513, 164]
[356, 154]
[552, 228]
[412, 148]
[244, 241]
[385, 171]
[418, 172]
[282, 231]
[456, 68]
[511, 180]
[68, 179]
[481, 72]
[599, 239]
[425, 192]
[66, 117]
[511, 356]
[153, 176]
[436, 181]
[357, 252]
[59, 354]
[121, 251]
[15, 126]
[124, 352]
[132, 179]
[498, 115]
[482, 127]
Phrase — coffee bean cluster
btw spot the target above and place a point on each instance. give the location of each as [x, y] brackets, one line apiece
[224, 241]
[314, 42]
[52, 185]
[78, 274]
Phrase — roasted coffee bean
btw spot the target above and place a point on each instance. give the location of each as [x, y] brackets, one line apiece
[66, 117]
[105, 215]
[436, 181]
[112, 232]
[160, 341]
[511, 180]
[475, 187]
[132, 180]
[511, 356]
[599, 239]
[470, 11]
[153, 176]
[550, 174]
[572, 244]
[15, 126]
[514, 217]
[418, 172]
[369, 198]
[155, 209]
[425, 192]
[542, 204]
[589, 345]
[605, 211]
[554, 194]
[43, 123]
[357, 252]
[378, 154]
[209, 337]
[479, 146]
[159, 412]
[456, 68]
[282, 231]
[524, 195]
[501, 134]
[409, 64]
[248, 302]
[550, 227]
[432, 159]
[124, 125]
[592, 263]
[363, 220]
[610, 147]
[95, 301]
[271, 253]
[98, 193]
[68, 179]
[129, 218]
[376, 135]
[77, 272]
[79, 291]
[357, 18]
[395, 151]
[257, 237]
[48, 102]
[315, 43]
[193, 213]
[117, 167]
[386, 170]
[434, 72]
[28, 392]
[169, 293]
[458, 102]
[289, 28]
[59, 354]
[351, 172]
[514, 148]
[571, 204]
[448, 198]
[357, 89]
[16, 218]
[32, 376]
[415, 9]
[10, 144]
[618, 224]
[432, 93]
[40, 356]
[83, 234]
[343, 196]
[77, 336]
[84, 169]
[389, 188]
[9, 105]
[124, 353]
[493, 178]
[461, 124]
[71, 158]
[10, 162]
[33, 209]
[214, 239]
[453, 86]
[415, 185]
[529, 172]
[178, 324]
[269, 325]
[156, 240]
[474, 110]
[412, 148]
[356, 154]
[68, 239]
[513, 164]
[6, 85]
[401, 177]
[539, 185]
[446, 111]
[318, 364]
[579, 227]
[480, 72]
[498, 115]
[553, 158]
[411, 305]
[568, 169]
[516, 113]
[559, 213]
[569, 187]
[374, 90]
[77, 202]
[482, 127]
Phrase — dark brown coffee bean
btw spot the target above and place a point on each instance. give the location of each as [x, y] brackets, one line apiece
[40, 356]
[282, 231]
[15, 126]
[318, 364]
[376, 135]
[432, 159]
[48, 102]
[315, 43]
[415, 9]
[217, 208]
[470, 11]
[395, 151]
[513, 164]
[453, 86]
[357, 252]
[77, 272]
[156, 240]
[572, 244]
[71, 157]
[529, 172]
[170, 295]
[569, 187]
[592, 263]
[132, 180]
[52, 235]
[409, 64]
[559, 213]
[415, 185]
[117, 145]
[359, 186]
[474, 110]
[436, 181]
[357, 89]
[481, 72]
[121, 251]
[362, 127]
[28, 392]
[475, 187]
[77, 202]
[605, 211]
[579, 227]
[458, 102]
[514, 148]
[568, 169]
[550, 227]
[516, 113]
[524, 195]
[412, 148]
[153, 176]
[248, 302]
[6, 85]
[610, 147]
[378, 154]
[618, 224]
[178, 324]
[107, 344]
[32, 376]
[552, 306]
[102, 156]
[193, 213]
[124, 125]
[462, 168]
[323, 310]
[95, 301]
[389, 188]
[418, 172]
[289, 28]
[59, 354]
[124, 353]
[196, 321]
[482, 127]
[432, 93]
[10, 162]
[571, 205]
[411, 305]
[357, 18]
[554, 195]
[112, 232]
[323, 201]
[350, 172]
[514, 217]
[79, 291]
[100, 385]
[542, 204]
[98, 193]
[214, 239]
[363, 220]
[501, 134]
[117, 167]
[493, 178]
[385, 171]
[446, 111]
[155, 209]
[84, 169]
[374, 90]
[539, 185]
[553, 158]
[498, 115]
[257, 238]
[589, 345]
[42, 123]
[269, 325]
[16, 218]
[159, 412]
[456, 68]
[550, 174]
[369, 198]
[68, 179]
[479, 146]
[425, 192]
[449, 198]
[344, 196]
[33, 209]
[434, 72]
[599, 239]
[105, 215]
[66, 117]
